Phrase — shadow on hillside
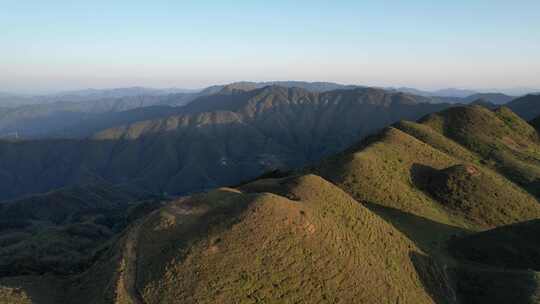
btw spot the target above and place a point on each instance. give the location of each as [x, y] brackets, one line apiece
[434, 278]
[31, 289]
[202, 216]
[426, 234]
[422, 176]
[496, 286]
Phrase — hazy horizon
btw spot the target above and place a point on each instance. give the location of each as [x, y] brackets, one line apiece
[60, 45]
[36, 92]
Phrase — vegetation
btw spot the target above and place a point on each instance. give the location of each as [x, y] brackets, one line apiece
[221, 139]
[441, 211]
[63, 231]
[320, 247]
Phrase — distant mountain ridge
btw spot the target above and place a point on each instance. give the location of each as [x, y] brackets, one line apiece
[77, 119]
[495, 98]
[81, 113]
[87, 95]
[310, 86]
[527, 106]
[65, 118]
[450, 92]
[221, 139]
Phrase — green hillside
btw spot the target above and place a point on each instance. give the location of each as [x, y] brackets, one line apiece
[433, 179]
[425, 212]
[455, 172]
[61, 231]
[306, 242]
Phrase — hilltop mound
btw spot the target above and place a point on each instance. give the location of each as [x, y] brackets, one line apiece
[308, 241]
[477, 127]
[480, 196]
[425, 170]
[379, 172]
[501, 139]
[286, 240]
[457, 172]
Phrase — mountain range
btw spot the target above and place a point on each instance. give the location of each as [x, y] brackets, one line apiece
[463, 93]
[442, 210]
[279, 194]
[79, 114]
[220, 139]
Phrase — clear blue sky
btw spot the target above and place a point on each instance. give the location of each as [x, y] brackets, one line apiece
[76, 44]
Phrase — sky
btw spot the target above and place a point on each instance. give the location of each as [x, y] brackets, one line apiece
[63, 45]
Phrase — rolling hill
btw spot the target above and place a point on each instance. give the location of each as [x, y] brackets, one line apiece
[454, 173]
[446, 167]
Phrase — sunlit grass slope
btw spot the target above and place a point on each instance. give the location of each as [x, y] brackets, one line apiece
[292, 240]
[436, 170]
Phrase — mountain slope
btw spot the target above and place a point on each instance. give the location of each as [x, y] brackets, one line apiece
[71, 119]
[513, 246]
[508, 143]
[78, 114]
[536, 123]
[454, 173]
[401, 217]
[426, 179]
[499, 265]
[527, 106]
[321, 244]
[60, 231]
[245, 134]
[435, 178]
